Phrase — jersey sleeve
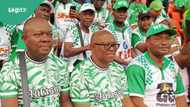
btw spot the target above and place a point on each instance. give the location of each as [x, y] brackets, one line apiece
[180, 89]
[135, 40]
[78, 90]
[136, 80]
[8, 88]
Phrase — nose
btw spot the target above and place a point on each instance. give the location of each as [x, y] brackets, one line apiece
[165, 42]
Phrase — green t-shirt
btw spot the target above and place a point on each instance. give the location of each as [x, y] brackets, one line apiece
[45, 79]
[98, 87]
[137, 37]
[158, 86]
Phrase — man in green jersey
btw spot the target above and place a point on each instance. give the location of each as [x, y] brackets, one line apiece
[139, 33]
[153, 80]
[98, 81]
[47, 74]
[122, 31]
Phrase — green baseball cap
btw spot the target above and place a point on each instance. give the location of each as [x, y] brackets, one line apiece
[120, 3]
[156, 5]
[159, 28]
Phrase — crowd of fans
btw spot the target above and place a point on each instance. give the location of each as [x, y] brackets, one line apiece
[98, 53]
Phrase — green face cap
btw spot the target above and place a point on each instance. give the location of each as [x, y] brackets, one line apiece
[120, 4]
[87, 6]
[156, 5]
[159, 28]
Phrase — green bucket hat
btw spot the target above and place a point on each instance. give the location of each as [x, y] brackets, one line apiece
[156, 5]
[120, 3]
[159, 28]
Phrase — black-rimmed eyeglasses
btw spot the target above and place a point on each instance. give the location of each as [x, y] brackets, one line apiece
[108, 46]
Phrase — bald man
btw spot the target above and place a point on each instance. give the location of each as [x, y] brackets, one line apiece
[47, 74]
[98, 81]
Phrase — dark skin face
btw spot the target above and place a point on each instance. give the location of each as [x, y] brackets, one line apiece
[43, 12]
[86, 18]
[38, 38]
[144, 23]
[159, 45]
[98, 4]
[103, 47]
[120, 15]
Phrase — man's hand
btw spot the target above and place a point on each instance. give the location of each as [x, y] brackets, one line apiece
[9, 102]
[138, 101]
[120, 61]
[87, 47]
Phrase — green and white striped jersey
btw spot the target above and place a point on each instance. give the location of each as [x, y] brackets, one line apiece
[98, 87]
[157, 85]
[45, 79]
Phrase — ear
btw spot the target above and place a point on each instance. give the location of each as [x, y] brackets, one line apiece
[24, 37]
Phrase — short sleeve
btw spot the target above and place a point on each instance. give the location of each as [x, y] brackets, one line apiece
[69, 36]
[180, 89]
[136, 80]
[8, 88]
[78, 90]
[135, 40]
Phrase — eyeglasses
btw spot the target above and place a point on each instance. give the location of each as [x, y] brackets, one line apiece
[108, 46]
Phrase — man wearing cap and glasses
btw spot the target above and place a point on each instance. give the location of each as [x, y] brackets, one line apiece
[76, 44]
[139, 34]
[153, 80]
[98, 81]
